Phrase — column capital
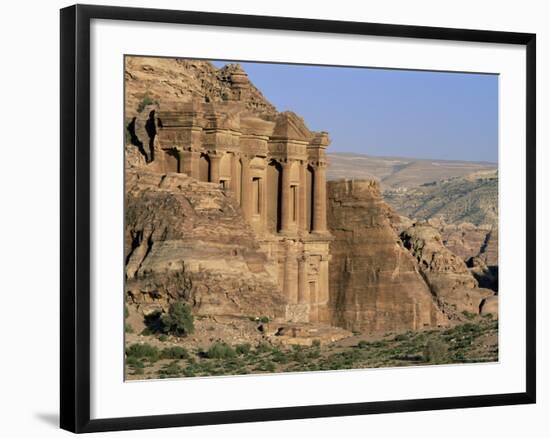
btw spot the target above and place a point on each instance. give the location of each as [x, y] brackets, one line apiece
[215, 155]
[319, 164]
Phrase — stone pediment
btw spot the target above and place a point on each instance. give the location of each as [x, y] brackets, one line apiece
[291, 126]
[252, 125]
[223, 115]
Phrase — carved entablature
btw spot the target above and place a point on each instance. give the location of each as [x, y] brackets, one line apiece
[253, 145]
[285, 149]
[221, 140]
[181, 115]
[180, 139]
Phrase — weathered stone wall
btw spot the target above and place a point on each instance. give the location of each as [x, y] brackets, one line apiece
[186, 239]
[374, 281]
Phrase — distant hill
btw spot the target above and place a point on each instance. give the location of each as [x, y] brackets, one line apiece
[472, 198]
[397, 172]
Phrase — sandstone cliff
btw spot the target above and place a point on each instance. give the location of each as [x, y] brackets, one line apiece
[374, 281]
[186, 239]
[152, 81]
[450, 281]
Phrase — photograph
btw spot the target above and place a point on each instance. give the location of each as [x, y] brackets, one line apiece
[307, 218]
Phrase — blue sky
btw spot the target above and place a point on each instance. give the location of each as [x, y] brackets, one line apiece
[416, 114]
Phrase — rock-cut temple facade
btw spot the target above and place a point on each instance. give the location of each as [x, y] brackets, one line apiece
[275, 167]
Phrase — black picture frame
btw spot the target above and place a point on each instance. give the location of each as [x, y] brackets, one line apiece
[75, 217]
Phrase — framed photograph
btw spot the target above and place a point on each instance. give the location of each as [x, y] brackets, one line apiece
[268, 218]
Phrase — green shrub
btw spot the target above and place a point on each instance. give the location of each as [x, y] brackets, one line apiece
[279, 357]
[174, 353]
[299, 354]
[220, 350]
[316, 343]
[268, 366]
[128, 328]
[313, 353]
[163, 338]
[264, 319]
[172, 369]
[147, 100]
[143, 351]
[134, 362]
[146, 332]
[243, 349]
[362, 344]
[263, 347]
[468, 315]
[435, 350]
[401, 337]
[178, 320]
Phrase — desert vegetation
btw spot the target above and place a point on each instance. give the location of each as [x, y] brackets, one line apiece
[474, 341]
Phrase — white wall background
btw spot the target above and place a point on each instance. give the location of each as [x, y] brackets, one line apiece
[29, 206]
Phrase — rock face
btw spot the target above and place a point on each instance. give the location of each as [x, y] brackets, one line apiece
[447, 275]
[186, 239]
[476, 245]
[467, 240]
[374, 281]
[152, 81]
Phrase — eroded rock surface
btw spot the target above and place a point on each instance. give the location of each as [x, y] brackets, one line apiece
[447, 275]
[374, 281]
[188, 240]
[150, 81]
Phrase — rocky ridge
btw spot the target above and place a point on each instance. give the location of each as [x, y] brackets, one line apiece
[472, 198]
[449, 279]
[187, 240]
[150, 81]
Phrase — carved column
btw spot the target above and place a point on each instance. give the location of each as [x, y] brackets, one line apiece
[246, 189]
[320, 199]
[323, 295]
[302, 204]
[263, 200]
[285, 197]
[214, 168]
[235, 178]
[290, 285]
[190, 163]
[303, 286]
[323, 280]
